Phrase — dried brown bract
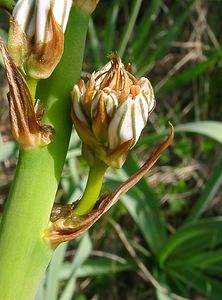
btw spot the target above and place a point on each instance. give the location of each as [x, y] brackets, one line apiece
[24, 116]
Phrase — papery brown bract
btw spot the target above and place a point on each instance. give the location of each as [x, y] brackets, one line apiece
[24, 117]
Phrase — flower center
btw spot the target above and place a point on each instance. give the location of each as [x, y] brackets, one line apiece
[117, 77]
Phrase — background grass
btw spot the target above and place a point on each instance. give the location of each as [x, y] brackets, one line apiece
[163, 239]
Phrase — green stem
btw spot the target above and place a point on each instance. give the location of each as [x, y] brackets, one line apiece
[32, 84]
[93, 188]
[23, 254]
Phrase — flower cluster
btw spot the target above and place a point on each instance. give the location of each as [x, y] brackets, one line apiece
[110, 110]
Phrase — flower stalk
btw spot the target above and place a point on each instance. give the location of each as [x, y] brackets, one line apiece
[93, 187]
[32, 84]
[24, 254]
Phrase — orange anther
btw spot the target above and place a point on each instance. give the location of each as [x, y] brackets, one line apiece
[134, 90]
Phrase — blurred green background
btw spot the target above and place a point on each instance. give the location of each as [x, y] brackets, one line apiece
[163, 240]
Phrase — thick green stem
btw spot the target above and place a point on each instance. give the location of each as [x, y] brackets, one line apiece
[93, 187]
[23, 254]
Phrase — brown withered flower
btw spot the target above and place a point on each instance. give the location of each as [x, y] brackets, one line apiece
[24, 116]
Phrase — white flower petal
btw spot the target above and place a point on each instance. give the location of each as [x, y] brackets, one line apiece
[77, 107]
[101, 74]
[30, 28]
[61, 11]
[111, 103]
[22, 12]
[140, 108]
[117, 134]
[43, 30]
[33, 16]
[110, 99]
[128, 121]
[147, 90]
[144, 84]
[105, 68]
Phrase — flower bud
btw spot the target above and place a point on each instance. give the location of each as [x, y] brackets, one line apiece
[110, 111]
[87, 5]
[36, 35]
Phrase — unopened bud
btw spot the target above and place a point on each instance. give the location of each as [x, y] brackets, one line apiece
[36, 35]
[111, 110]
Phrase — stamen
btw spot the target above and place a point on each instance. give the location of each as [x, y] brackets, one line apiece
[134, 90]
